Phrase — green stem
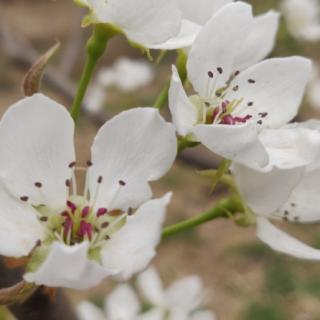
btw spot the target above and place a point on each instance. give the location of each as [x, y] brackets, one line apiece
[96, 47]
[162, 98]
[222, 169]
[184, 143]
[223, 209]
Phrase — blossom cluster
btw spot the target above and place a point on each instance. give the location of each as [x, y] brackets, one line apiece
[170, 303]
[239, 105]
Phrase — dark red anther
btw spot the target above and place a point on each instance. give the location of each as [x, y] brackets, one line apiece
[89, 163]
[71, 206]
[85, 229]
[239, 119]
[65, 214]
[247, 117]
[224, 105]
[67, 227]
[101, 212]
[228, 119]
[243, 119]
[72, 164]
[263, 114]
[85, 211]
[215, 112]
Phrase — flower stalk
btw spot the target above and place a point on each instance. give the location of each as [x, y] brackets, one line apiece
[223, 209]
[96, 47]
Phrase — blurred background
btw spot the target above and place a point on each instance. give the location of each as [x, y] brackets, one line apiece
[247, 280]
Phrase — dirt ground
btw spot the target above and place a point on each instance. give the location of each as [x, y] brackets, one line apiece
[246, 280]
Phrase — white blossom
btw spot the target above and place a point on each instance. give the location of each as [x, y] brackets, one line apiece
[173, 301]
[171, 304]
[76, 239]
[303, 18]
[146, 22]
[197, 13]
[234, 102]
[288, 188]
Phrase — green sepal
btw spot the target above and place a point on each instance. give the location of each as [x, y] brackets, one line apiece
[186, 142]
[95, 254]
[39, 255]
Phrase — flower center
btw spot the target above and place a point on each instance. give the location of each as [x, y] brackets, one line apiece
[80, 219]
[216, 108]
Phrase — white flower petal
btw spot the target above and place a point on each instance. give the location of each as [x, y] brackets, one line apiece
[143, 21]
[184, 113]
[200, 11]
[69, 267]
[122, 304]
[136, 146]
[133, 246]
[203, 315]
[150, 287]
[88, 311]
[217, 44]
[282, 242]
[265, 192]
[20, 228]
[304, 202]
[291, 147]
[184, 39]
[36, 145]
[177, 297]
[260, 40]
[235, 142]
[278, 88]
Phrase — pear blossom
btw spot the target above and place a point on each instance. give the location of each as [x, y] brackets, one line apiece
[173, 303]
[197, 13]
[303, 18]
[288, 188]
[143, 21]
[125, 74]
[121, 304]
[75, 239]
[234, 102]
